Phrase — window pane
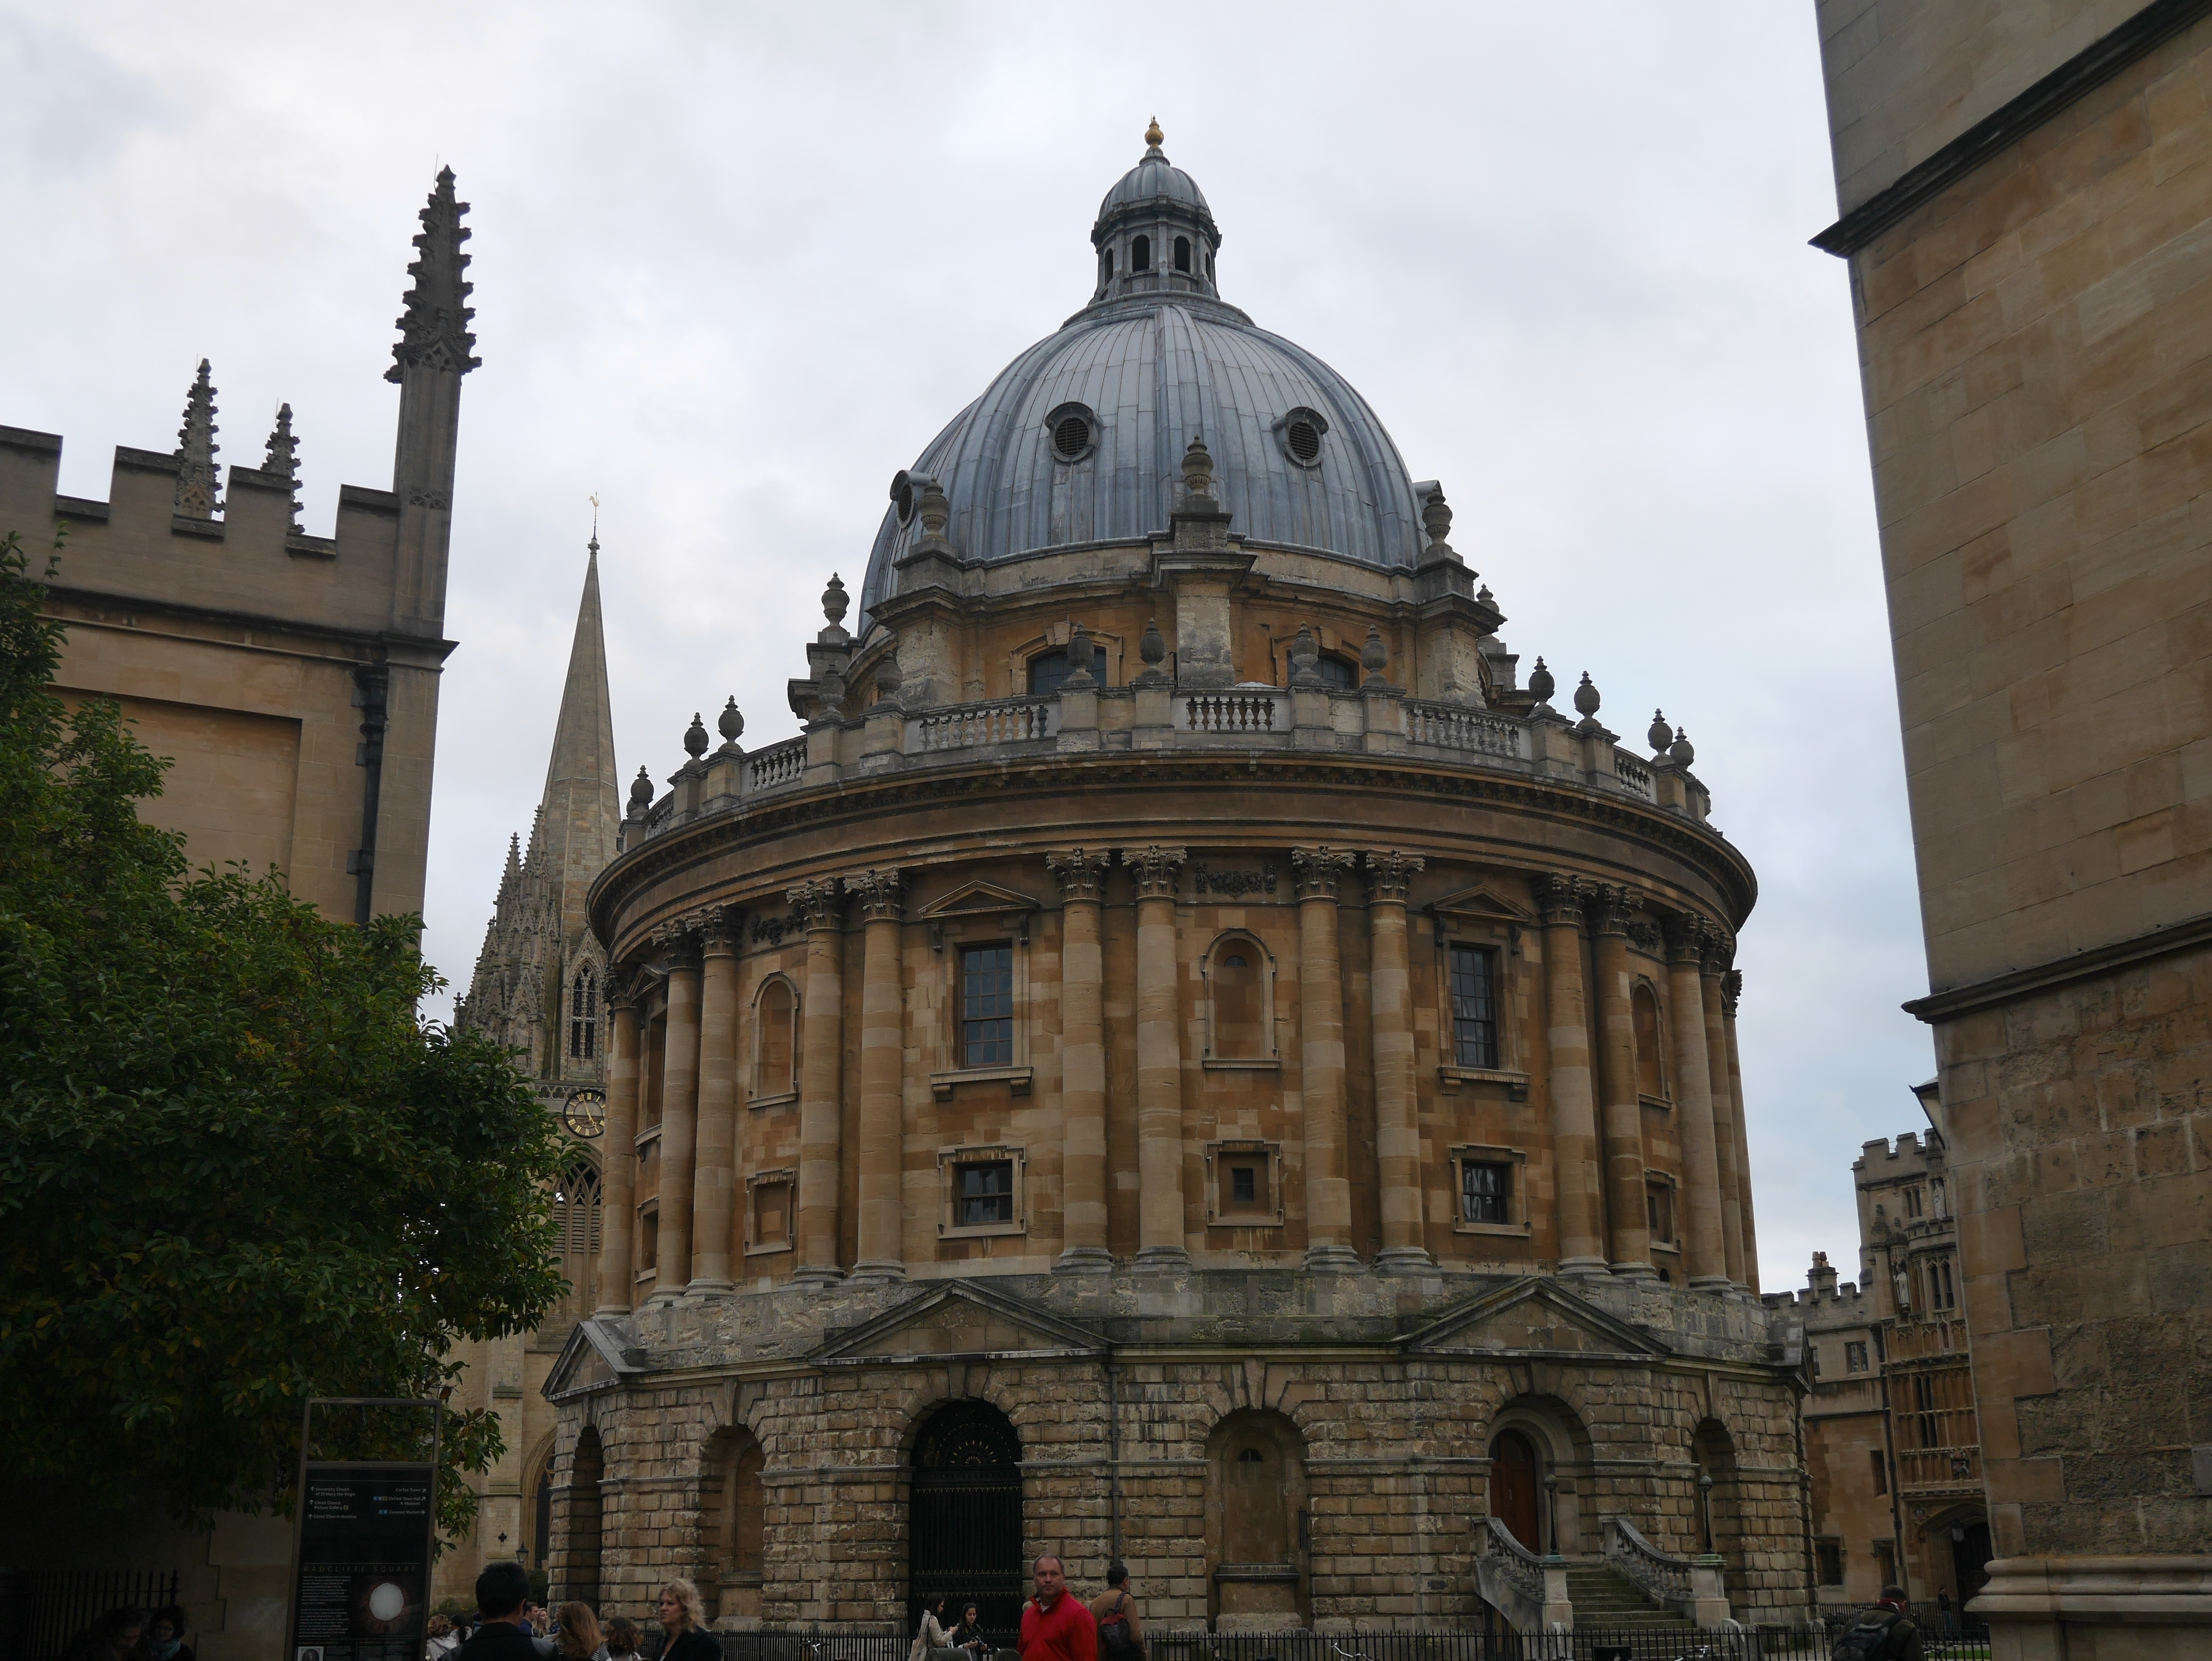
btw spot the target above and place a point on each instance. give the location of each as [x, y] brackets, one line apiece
[1048, 671]
[1485, 1192]
[987, 1005]
[983, 1194]
[1474, 1007]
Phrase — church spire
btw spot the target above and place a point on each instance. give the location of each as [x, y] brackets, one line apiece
[582, 806]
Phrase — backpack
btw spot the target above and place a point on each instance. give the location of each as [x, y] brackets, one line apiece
[1867, 1637]
[1113, 1638]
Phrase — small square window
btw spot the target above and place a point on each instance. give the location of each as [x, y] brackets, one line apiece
[1659, 1211]
[1244, 1185]
[775, 1200]
[1475, 1006]
[987, 1005]
[1831, 1553]
[983, 1194]
[1854, 1357]
[1486, 1191]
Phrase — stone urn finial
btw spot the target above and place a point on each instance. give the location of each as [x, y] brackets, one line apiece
[836, 602]
[1436, 517]
[1305, 658]
[1081, 654]
[1198, 468]
[1375, 655]
[934, 508]
[694, 737]
[641, 792]
[1586, 698]
[731, 723]
[1152, 647]
[1681, 753]
[890, 676]
[1661, 734]
[1541, 683]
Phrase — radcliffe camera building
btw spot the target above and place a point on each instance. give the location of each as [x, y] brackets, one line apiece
[1191, 1054]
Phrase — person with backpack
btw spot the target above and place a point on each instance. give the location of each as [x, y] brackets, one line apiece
[1884, 1633]
[1120, 1634]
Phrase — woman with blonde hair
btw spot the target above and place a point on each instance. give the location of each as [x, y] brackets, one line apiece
[683, 1625]
[580, 1634]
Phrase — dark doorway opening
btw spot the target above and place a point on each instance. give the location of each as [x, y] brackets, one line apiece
[1969, 1558]
[1513, 1487]
[964, 1517]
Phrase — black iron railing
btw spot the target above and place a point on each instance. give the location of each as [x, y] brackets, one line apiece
[41, 1613]
[1648, 1643]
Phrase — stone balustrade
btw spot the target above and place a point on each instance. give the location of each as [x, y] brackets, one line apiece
[1373, 722]
[1691, 1586]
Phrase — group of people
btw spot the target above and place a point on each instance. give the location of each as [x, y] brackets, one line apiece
[1056, 1624]
[509, 1626]
[132, 1634]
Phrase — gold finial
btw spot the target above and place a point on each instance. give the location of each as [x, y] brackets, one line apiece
[1154, 136]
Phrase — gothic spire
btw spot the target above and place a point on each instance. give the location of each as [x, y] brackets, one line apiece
[198, 497]
[283, 457]
[435, 327]
[582, 806]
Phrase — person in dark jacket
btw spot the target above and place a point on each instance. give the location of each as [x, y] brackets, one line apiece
[1884, 1633]
[500, 1636]
[683, 1625]
[165, 1635]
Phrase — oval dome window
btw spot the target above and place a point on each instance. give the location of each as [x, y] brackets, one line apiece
[1072, 431]
[1303, 430]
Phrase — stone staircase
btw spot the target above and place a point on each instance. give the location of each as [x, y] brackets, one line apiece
[1605, 1598]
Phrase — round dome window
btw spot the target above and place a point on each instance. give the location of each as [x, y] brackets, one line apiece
[1074, 432]
[903, 495]
[1303, 430]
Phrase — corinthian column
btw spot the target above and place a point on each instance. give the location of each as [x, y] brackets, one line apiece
[1713, 964]
[1704, 1257]
[618, 1177]
[1574, 1109]
[1159, 1062]
[820, 1087]
[1397, 1127]
[883, 1047]
[1320, 1049]
[1082, 874]
[711, 1190]
[679, 1110]
[1621, 1105]
[1731, 991]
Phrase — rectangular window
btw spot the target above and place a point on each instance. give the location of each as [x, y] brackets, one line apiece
[1659, 1211]
[1854, 1357]
[983, 1194]
[648, 1241]
[1475, 1006]
[1244, 1186]
[1486, 1191]
[1912, 1202]
[987, 1006]
[772, 1213]
[1940, 1295]
[1880, 1471]
[1831, 1553]
[1813, 1359]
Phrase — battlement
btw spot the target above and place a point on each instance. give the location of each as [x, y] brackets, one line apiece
[1908, 1155]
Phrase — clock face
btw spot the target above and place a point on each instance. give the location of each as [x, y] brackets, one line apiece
[587, 1112]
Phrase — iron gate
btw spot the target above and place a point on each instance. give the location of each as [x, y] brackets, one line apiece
[964, 1517]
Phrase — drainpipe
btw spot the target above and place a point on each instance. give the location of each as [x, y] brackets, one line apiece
[371, 685]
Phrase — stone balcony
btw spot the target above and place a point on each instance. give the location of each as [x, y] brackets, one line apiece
[1376, 721]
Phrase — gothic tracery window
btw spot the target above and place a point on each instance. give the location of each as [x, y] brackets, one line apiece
[584, 1016]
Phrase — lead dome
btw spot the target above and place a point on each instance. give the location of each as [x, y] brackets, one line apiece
[1080, 439]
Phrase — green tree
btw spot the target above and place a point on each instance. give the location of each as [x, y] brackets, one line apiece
[236, 1169]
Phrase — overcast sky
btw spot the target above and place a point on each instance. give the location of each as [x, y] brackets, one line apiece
[736, 265]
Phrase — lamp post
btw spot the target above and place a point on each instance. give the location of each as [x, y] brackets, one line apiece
[1706, 1505]
[1551, 1513]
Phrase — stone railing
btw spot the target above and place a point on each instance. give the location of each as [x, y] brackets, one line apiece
[1145, 719]
[1691, 1586]
[1528, 1591]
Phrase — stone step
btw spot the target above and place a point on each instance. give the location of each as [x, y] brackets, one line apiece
[1605, 1598]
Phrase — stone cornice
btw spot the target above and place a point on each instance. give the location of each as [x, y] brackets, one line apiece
[1064, 776]
[2000, 989]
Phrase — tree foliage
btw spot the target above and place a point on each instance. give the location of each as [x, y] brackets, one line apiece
[236, 1170]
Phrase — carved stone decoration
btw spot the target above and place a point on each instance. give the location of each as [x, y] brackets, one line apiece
[815, 903]
[197, 495]
[881, 891]
[1081, 654]
[1563, 898]
[1156, 870]
[1613, 908]
[836, 602]
[677, 941]
[1660, 735]
[1541, 686]
[1681, 753]
[1373, 656]
[434, 328]
[1390, 874]
[640, 795]
[1305, 660]
[626, 986]
[731, 723]
[1152, 647]
[694, 737]
[1436, 517]
[282, 458]
[1081, 872]
[1207, 880]
[1197, 469]
[935, 509]
[1686, 937]
[1644, 937]
[1586, 701]
[770, 931]
[1731, 989]
[719, 928]
[890, 676]
[1317, 871]
[1719, 951]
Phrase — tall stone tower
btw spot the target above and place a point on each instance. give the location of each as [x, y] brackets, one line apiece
[539, 987]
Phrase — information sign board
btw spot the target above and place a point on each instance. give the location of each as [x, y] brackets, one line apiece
[362, 1575]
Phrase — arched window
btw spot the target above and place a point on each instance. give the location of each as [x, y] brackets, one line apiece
[584, 1015]
[1238, 983]
[1337, 672]
[541, 1530]
[730, 1519]
[1140, 254]
[1650, 1072]
[1183, 254]
[1106, 266]
[576, 1225]
[775, 1019]
[1048, 671]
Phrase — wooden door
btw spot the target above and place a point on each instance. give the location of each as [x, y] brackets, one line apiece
[1513, 1487]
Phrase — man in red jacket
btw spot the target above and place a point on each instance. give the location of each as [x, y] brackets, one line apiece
[1055, 1625]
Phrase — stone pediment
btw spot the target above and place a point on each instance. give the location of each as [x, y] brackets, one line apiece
[1533, 1317]
[596, 1354]
[1481, 902]
[958, 1319]
[970, 898]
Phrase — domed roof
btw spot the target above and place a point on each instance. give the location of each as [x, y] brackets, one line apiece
[1152, 180]
[1080, 439]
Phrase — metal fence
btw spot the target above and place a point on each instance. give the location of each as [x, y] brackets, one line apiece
[1652, 1643]
[40, 1614]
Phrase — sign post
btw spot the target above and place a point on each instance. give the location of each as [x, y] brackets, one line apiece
[363, 1538]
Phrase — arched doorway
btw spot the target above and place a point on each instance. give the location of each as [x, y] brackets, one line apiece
[576, 1565]
[965, 1515]
[1719, 1519]
[730, 1517]
[1514, 1502]
[1258, 1528]
[1969, 1540]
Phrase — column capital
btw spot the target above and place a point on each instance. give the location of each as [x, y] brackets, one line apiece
[1731, 989]
[719, 929]
[1156, 870]
[1719, 951]
[1081, 872]
[1562, 899]
[881, 891]
[1317, 871]
[814, 903]
[1685, 933]
[1612, 908]
[677, 942]
[626, 988]
[1390, 874]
